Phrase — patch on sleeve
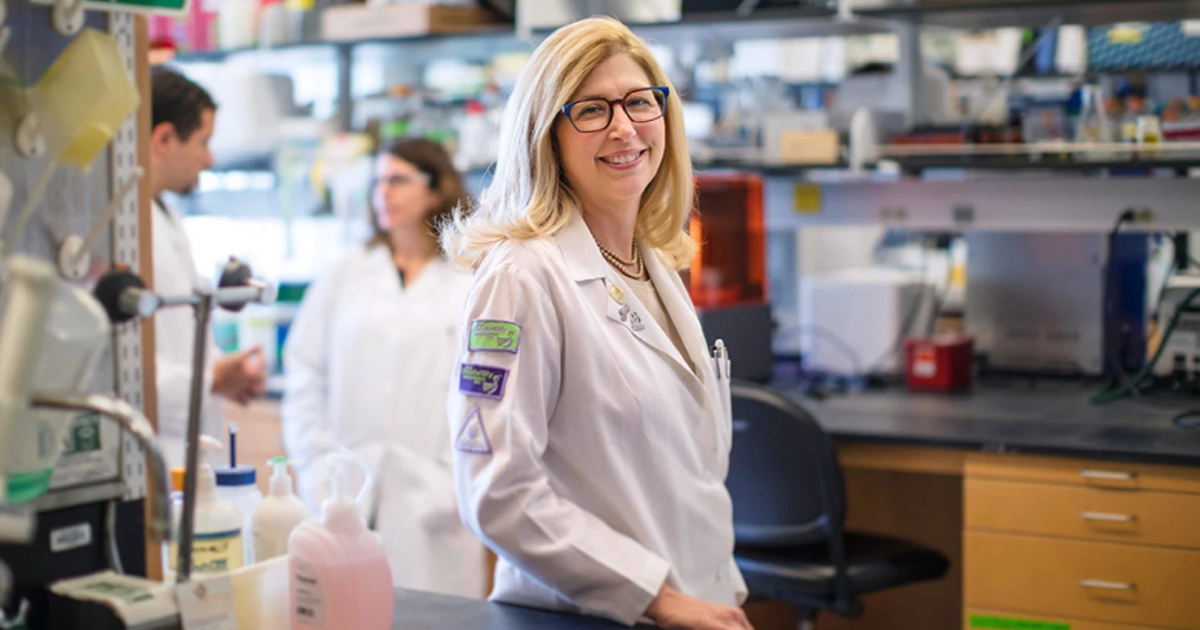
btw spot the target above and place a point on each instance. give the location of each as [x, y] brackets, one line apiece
[493, 335]
[472, 438]
[482, 380]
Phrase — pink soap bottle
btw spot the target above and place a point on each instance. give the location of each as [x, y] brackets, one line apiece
[339, 573]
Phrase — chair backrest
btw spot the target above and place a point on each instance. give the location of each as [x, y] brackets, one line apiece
[784, 475]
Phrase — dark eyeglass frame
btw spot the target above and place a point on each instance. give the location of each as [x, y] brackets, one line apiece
[665, 91]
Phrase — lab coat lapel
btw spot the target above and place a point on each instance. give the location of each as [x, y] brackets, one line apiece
[587, 265]
[679, 307]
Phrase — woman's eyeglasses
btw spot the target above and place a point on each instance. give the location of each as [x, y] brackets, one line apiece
[399, 181]
[595, 114]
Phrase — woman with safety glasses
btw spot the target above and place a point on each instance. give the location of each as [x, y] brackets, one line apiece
[369, 358]
[590, 425]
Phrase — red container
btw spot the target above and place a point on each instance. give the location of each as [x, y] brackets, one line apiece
[939, 364]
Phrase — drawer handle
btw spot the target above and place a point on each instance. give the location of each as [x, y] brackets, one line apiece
[1108, 517]
[1105, 584]
[1107, 475]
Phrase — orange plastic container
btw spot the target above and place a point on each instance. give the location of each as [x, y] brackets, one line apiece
[730, 265]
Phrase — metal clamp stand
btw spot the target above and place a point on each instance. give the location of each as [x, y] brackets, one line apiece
[187, 525]
[124, 296]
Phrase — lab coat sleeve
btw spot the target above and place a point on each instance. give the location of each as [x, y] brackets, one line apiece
[505, 496]
[304, 410]
[174, 331]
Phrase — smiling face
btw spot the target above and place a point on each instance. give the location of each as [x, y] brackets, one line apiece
[610, 169]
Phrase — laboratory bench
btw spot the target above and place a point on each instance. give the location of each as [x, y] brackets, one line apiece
[1055, 513]
[1052, 510]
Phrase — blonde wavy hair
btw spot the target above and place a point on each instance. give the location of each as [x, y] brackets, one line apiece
[529, 196]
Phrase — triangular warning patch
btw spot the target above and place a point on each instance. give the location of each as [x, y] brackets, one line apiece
[472, 438]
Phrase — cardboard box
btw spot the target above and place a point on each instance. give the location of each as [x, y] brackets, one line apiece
[358, 22]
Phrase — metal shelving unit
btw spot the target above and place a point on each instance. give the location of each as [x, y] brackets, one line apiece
[976, 14]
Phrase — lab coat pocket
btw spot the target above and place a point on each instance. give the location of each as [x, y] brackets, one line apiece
[725, 411]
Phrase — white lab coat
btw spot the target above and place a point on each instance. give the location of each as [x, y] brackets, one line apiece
[368, 364]
[608, 455]
[174, 331]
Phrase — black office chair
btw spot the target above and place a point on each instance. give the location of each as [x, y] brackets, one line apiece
[789, 507]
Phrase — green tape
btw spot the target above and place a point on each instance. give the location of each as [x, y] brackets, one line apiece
[1010, 623]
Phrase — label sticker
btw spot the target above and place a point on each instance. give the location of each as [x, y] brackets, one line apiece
[115, 590]
[472, 438]
[206, 604]
[481, 380]
[308, 595]
[987, 622]
[68, 538]
[494, 335]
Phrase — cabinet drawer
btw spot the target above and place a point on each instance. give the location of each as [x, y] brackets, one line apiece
[1086, 580]
[979, 619]
[1126, 516]
[1083, 472]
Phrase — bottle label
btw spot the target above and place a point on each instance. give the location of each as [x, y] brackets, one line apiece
[212, 553]
[309, 595]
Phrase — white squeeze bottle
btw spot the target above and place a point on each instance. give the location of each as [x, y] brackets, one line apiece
[277, 515]
[339, 573]
[217, 540]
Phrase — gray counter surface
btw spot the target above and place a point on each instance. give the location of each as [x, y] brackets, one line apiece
[1038, 418]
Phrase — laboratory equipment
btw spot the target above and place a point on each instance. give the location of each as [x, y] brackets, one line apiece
[1036, 302]
[125, 297]
[859, 319]
[727, 279]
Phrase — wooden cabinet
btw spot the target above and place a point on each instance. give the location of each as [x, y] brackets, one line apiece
[1089, 544]
[1168, 519]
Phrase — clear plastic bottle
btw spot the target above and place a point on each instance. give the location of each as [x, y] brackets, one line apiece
[278, 515]
[339, 573]
[237, 484]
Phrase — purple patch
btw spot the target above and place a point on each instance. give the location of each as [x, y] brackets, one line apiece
[472, 438]
[482, 380]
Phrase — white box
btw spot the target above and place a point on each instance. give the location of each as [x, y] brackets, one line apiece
[852, 320]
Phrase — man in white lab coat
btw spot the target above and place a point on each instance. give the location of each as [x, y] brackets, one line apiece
[183, 116]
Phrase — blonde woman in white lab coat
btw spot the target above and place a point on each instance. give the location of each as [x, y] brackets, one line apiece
[591, 430]
[368, 361]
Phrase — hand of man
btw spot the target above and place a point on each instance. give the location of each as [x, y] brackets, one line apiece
[675, 611]
[241, 376]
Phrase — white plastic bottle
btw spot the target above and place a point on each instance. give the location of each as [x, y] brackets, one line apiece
[217, 543]
[277, 515]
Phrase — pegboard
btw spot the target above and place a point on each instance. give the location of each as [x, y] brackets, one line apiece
[73, 199]
[123, 161]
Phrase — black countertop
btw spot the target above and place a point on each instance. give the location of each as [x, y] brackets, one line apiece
[416, 610]
[1039, 417]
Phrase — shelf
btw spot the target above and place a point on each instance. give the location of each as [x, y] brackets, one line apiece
[1047, 162]
[766, 23]
[977, 14]
[711, 26]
